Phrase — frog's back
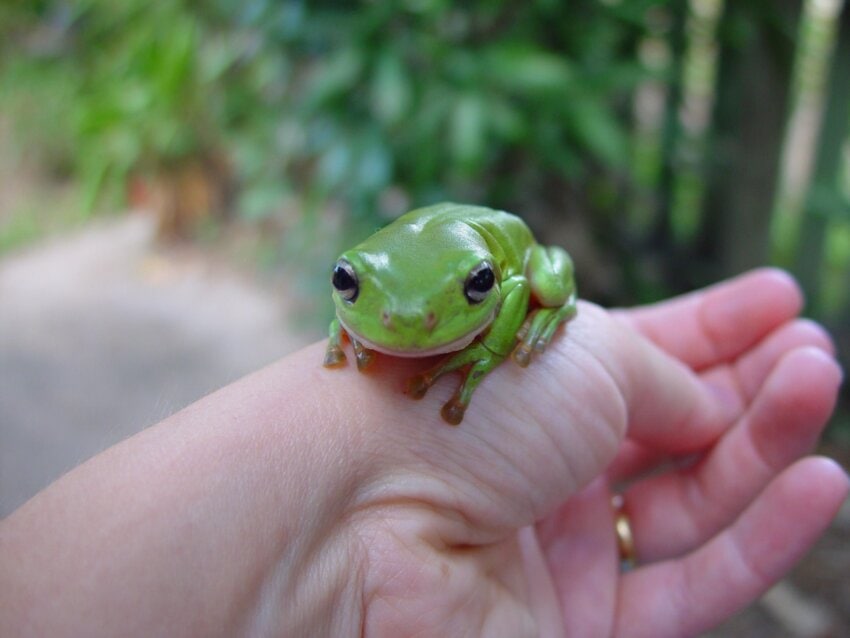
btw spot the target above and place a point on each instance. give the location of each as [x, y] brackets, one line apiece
[448, 212]
[506, 235]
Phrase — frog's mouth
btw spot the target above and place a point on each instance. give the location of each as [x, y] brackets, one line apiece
[412, 352]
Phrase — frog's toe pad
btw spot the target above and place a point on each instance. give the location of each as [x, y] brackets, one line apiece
[364, 359]
[453, 412]
[334, 357]
[522, 355]
[523, 331]
[417, 386]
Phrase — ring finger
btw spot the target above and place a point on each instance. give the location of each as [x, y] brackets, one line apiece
[674, 512]
[686, 596]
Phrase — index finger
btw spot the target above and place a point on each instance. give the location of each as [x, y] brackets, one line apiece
[716, 325]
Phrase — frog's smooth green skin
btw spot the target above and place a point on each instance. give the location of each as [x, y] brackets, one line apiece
[450, 278]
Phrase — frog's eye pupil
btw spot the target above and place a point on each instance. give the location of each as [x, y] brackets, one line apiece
[479, 283]
[344, 280]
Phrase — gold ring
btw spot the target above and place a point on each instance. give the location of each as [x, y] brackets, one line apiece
[623, 531]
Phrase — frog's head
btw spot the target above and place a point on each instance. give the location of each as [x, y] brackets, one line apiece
[417, 296]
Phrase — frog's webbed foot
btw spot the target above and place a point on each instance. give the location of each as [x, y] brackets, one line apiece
[475, 362]
[334, 356]
[453, 411]
[539, 328]
[362, 355]
[419, 384]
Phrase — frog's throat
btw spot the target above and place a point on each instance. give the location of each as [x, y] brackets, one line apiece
[452, 346]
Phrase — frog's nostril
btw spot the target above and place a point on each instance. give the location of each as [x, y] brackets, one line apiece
[430, 321]
[387, 319]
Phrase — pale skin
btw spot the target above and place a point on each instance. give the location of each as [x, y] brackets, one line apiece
[302, 501]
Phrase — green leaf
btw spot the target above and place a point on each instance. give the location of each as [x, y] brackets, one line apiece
[521, 69]
[335, 165]
[593, 123]
[467, 134]
[374, 165]
[391, 90]
[334, 78]
[828, 202]
[507, 121]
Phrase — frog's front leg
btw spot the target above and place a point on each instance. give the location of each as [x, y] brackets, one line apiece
[334, 354]
[480, 357]
[550, 273]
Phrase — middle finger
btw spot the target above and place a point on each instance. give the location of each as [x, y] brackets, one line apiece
[743, 377]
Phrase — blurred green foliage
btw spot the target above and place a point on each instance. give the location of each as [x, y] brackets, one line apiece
[653, 128]
[372, 107]
[380, 106]
[99, 88]
[455, 100]
[334, 100]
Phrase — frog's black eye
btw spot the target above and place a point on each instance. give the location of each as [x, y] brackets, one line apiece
[344, 279]
[479, 282]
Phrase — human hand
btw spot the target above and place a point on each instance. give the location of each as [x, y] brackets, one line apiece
[303, 501]
[742, 390]
[714, 525]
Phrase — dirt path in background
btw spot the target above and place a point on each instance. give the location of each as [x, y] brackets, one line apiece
[102, 334]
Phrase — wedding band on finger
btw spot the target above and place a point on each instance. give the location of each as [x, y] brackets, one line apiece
[623, 531]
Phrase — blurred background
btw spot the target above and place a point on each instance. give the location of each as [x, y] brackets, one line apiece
[176, 177]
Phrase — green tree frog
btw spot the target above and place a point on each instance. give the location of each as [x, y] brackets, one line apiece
[450, 278]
